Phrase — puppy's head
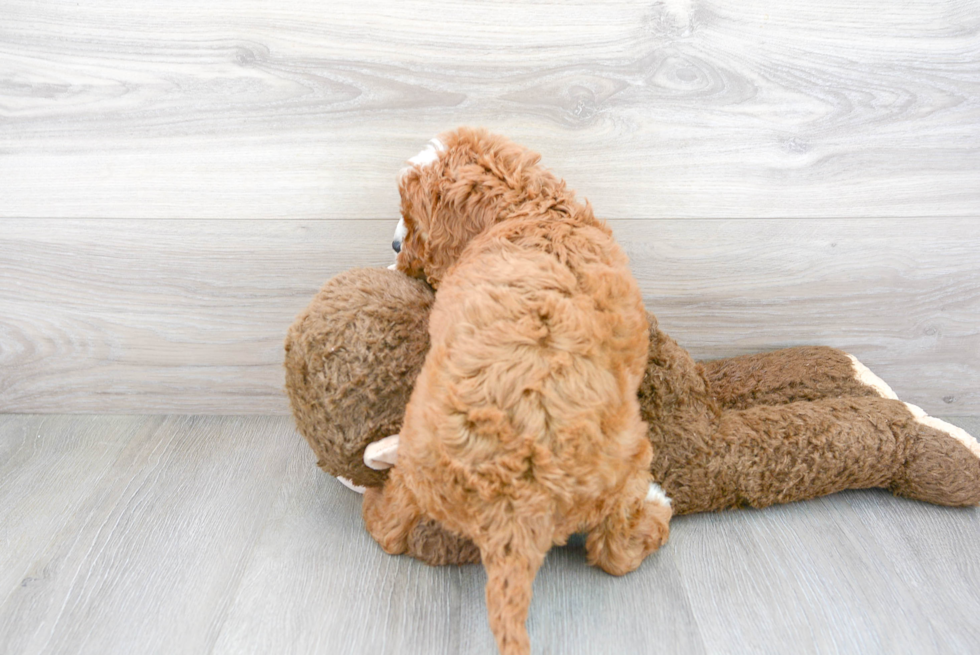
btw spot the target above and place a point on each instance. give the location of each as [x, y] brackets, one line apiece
[464, 182]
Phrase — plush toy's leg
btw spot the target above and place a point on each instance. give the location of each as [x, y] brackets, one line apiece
[943, 465]
[778, 454]
[637, 523]
[390, 513]
[791, 375]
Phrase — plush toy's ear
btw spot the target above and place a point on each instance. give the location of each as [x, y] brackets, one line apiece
[351, 362]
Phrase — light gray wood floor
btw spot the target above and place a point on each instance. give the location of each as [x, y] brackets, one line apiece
[178, 534]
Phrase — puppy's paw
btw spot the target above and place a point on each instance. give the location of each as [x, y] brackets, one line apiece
[624, 539]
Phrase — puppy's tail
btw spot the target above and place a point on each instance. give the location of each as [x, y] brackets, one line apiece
[512, 560]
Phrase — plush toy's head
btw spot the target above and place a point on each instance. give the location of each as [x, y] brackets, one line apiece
[462, 183]
[352, 357]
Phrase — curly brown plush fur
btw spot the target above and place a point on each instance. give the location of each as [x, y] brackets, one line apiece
[524, 426]
[727, 434]
[351, 361]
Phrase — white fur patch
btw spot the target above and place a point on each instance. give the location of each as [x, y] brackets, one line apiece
[401, 231]
[864, 375]
[382, 454]
[350, 485]
[429, 154]
[957, 433]
[655, 494]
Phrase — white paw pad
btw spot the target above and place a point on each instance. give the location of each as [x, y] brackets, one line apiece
[655, 494]
[864, 375]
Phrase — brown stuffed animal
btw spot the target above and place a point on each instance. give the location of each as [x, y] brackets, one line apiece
[755, 430]
[351, 361]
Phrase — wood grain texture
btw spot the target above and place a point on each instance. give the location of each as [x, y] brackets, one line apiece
[676, 108]
[219, 535]
[851, 573]
[190, 316]
[42, 457]
[148, 557]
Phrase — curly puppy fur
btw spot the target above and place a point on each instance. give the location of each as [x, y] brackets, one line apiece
[524, 426]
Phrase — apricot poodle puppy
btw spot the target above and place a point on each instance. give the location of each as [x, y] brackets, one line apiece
[524, 425]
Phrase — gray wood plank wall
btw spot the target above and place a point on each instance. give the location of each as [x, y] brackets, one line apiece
[177, 179]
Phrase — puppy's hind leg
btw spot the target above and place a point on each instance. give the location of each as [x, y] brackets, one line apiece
[636, 525]
[390, 513]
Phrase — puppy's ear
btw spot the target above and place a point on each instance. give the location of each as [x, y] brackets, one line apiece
[438, 227]
[466, 195]
[462, 207]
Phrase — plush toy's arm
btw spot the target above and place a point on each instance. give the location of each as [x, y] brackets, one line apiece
[790, 375]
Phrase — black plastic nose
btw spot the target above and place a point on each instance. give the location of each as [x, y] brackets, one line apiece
[397, 245]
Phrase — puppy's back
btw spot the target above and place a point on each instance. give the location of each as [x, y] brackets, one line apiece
[539, 340]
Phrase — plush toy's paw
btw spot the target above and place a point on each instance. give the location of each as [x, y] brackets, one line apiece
[780, 377]
[943, 466]
[953, 432]
[429, 154]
